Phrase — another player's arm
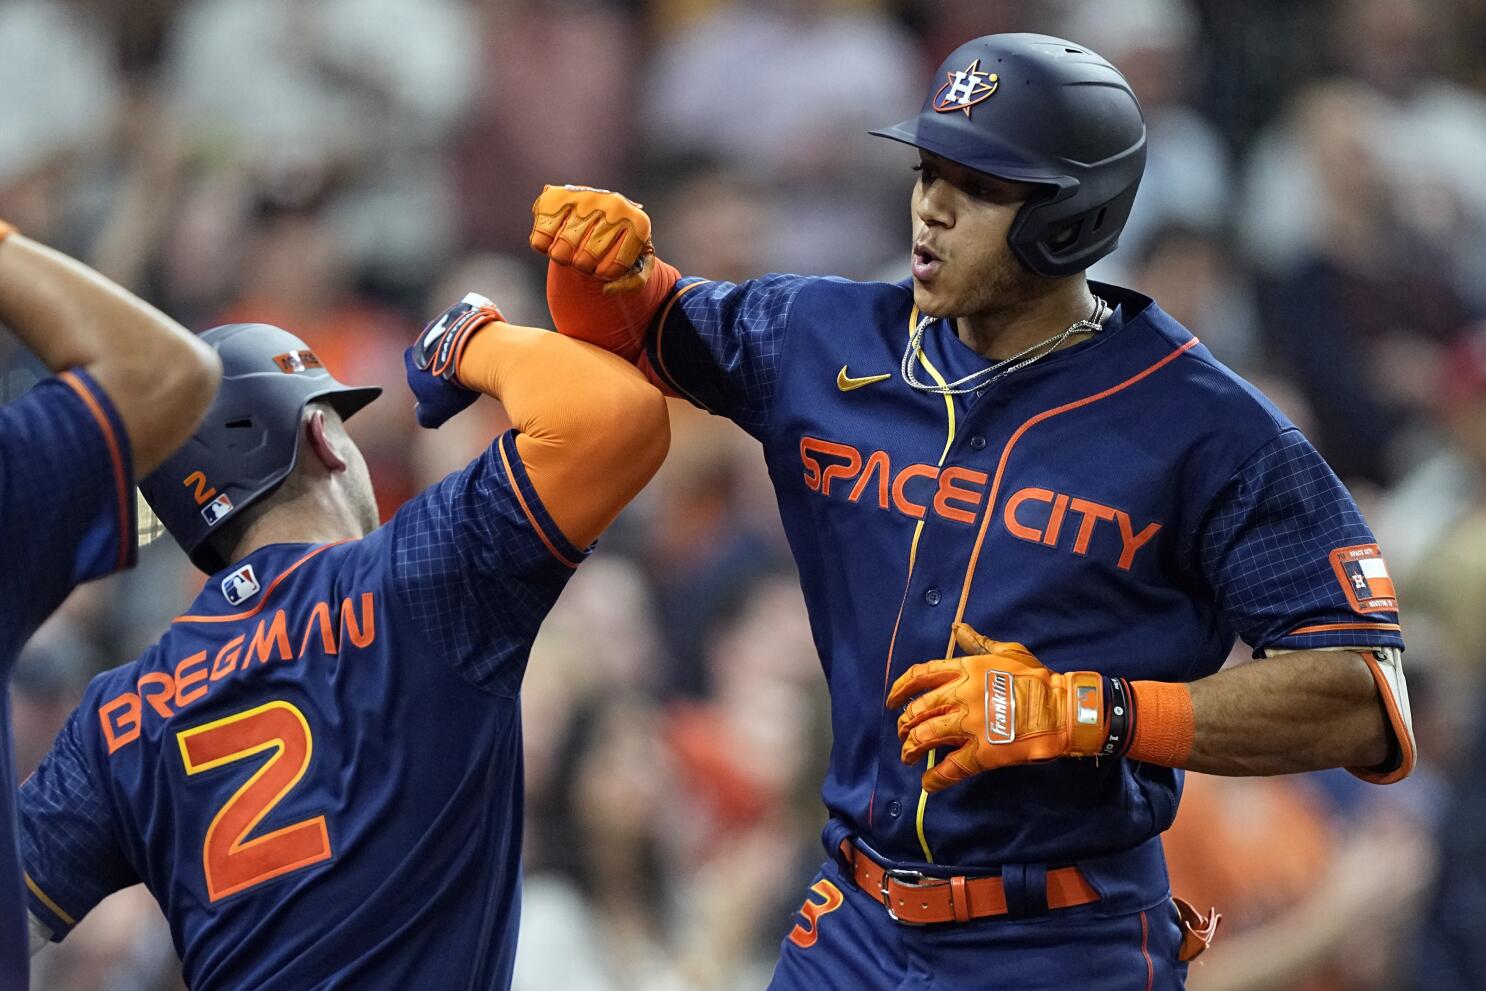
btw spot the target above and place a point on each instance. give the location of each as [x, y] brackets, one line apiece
[158, 377]
[590, 431]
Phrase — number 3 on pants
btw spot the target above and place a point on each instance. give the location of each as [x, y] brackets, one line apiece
[232, 862]
[812, 911]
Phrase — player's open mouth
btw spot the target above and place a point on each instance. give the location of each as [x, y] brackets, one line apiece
[926, 264]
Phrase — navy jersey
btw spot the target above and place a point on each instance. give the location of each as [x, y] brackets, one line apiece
[317, 770]
[66, 516]
[1128, 506]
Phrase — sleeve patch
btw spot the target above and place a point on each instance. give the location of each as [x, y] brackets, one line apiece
[1364, 578]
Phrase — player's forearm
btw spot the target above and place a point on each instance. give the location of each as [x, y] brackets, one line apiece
[1305, 711]
[592, 430]
[159, 377]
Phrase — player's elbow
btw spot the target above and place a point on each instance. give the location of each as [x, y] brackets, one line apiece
[163, 395]
[199, 374]
[640, 434]
[187, 383]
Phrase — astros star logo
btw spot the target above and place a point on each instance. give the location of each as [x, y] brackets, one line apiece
[964, 89]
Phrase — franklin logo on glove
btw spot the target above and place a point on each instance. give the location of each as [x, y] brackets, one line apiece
[1000, 708]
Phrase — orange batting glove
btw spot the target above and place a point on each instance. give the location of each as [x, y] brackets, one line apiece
[604, 283]
[597, 232]
[998, 705]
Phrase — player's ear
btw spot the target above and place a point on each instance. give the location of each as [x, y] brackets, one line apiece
[322, 442]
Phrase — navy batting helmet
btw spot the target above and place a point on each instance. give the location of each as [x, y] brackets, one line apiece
[249, 441]
[1037, 109]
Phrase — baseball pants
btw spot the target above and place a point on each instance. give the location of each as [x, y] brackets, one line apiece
[843, 938]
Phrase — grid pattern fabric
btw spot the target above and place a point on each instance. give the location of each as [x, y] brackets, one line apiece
[721, 345]
[476, 576]
[67, 837]
[1265, 550]
[59, 516]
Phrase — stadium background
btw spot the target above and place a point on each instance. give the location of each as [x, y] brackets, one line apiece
[1314, 208]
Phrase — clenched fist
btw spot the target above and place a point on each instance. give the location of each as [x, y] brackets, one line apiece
[595, 231]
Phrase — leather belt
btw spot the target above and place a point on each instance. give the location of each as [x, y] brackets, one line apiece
[911, 897]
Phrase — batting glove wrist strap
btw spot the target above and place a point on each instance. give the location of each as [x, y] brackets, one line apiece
[432, 361]
[443, 341]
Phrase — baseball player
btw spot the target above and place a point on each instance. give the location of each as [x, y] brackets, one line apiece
[1031, 514]
[129, 385]
[317, 769]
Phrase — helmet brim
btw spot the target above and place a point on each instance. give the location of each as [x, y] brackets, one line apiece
[994, 157]
[349, 402]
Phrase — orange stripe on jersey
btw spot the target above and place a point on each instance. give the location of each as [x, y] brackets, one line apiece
[249, 614]
[660, 354]
[530, 518]
[116, 455]
[1327, 627]
[1006, 456]
[1402, 731]
[42, 897]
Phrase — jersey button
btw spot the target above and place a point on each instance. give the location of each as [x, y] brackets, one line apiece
[894, 808]
[932, 597]
[978, 443]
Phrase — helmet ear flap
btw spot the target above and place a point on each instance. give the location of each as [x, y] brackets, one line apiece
[1054, 243]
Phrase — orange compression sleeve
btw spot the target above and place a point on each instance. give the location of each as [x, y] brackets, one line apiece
[592, 431]
[1164, 726]
[615, 321]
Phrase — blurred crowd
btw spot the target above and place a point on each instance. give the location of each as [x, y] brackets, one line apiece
[1314, 208]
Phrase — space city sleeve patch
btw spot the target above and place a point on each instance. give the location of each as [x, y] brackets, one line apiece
[1364, 578]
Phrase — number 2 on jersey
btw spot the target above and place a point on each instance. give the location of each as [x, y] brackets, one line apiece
[232, 862]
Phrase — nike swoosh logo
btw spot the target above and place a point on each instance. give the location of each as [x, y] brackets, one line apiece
[846, 383]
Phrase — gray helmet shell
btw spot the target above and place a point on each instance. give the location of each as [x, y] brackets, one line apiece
[248, 443]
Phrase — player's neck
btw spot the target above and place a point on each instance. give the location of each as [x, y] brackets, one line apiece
[1002, 331]
[315, 517]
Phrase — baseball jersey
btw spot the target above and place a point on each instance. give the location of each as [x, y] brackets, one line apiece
[66, 516]
[1128, 505]
[317, 769]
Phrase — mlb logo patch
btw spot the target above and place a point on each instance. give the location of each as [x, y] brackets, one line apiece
[291, 362]
[1364, 578]
[216, 509]
[240, 586]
